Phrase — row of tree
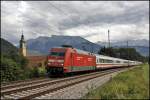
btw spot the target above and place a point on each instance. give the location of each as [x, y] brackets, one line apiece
[124, 53]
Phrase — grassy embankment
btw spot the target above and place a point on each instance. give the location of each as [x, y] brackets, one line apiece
[132, 84]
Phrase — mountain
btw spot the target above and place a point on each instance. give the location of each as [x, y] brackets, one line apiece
[7, 47]
[142, 46]
[44, 44]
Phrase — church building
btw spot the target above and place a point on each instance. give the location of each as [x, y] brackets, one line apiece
[34, 60]
[23, 49]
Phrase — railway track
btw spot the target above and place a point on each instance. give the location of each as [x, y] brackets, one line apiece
[38, 88]
[23, 83]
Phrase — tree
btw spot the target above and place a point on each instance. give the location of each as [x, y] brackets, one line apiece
[39, 64]
[35, 72]
[108, 51]
[23, 62]
[10, 71]
[124, 53]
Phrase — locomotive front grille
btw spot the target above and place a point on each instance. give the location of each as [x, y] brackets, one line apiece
[55, 70]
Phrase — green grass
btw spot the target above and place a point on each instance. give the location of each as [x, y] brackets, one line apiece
[132, 84]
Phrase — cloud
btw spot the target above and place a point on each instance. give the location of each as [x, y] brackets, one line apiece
[89, 19]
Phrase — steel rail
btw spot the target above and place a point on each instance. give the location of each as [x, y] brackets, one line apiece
[20, 81]
[75, 81]
[52, 82]
[23, 83]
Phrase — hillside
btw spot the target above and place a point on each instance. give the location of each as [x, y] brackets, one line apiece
[7, 47]
[44, 44]
[12, 64]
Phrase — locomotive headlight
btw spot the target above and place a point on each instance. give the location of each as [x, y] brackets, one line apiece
[60, 61]
[62, 64]
[49, 63]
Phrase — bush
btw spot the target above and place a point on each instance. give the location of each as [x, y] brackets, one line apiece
[10, 71]
[37, 72]
[42, 71]
[15, 68]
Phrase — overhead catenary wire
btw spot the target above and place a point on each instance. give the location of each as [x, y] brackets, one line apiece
[49, 24]
[66, 14]
[62, 12]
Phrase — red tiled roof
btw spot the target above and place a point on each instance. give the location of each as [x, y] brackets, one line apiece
[36, 58]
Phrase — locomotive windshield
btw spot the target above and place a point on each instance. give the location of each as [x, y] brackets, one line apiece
[57, 54]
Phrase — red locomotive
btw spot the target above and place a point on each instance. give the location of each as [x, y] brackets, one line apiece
[65, 60]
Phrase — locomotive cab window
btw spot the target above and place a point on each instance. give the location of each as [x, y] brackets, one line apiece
[57, 54]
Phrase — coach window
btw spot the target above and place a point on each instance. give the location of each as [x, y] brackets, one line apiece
[97, 60]
[102, 60]
[125, 62]
[106, 61]
[118, 61]
[109, 61]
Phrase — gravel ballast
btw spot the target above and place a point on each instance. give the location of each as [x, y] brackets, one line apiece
[79, 90]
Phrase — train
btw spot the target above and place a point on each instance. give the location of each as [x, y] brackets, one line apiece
[62, 60]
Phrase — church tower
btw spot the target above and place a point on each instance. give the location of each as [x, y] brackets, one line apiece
[22, 48]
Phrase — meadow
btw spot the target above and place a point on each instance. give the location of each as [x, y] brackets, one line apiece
[132, 84]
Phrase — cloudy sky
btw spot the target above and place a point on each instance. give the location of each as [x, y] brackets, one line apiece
[88, 19]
